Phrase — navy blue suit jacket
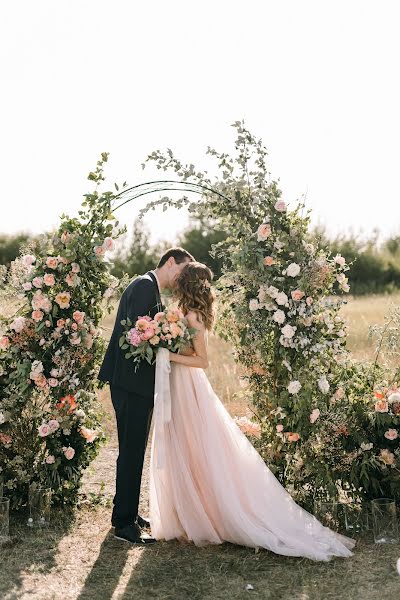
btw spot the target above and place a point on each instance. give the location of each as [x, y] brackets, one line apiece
[140, 298]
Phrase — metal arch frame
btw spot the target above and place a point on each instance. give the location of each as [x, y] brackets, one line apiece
[165, 185]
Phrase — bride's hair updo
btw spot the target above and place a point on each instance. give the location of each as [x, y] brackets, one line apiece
[194, 291]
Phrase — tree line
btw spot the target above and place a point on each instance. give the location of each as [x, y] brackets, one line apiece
[375, 267]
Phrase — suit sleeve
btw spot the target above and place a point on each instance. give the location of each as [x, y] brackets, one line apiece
[142, 300]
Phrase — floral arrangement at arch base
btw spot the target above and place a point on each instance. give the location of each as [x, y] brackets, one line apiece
[50, 350]
[279, 305]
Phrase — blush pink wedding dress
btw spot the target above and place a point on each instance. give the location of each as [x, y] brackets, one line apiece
[209, 485]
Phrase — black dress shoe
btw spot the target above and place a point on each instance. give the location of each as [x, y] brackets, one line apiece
[144, 523]
[132, 534]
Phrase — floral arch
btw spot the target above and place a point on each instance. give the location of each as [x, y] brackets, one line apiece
[323, 431]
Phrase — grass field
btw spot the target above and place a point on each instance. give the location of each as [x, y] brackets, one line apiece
[78, 558]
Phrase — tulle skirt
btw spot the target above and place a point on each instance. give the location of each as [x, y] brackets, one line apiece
[214, 487]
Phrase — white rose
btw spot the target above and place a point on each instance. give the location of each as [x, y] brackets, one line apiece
[314, 415]
[253, 304]
[18, 324]
[365, 446]
[309, 248]
[345, 287]
[280, 205]
[272, 291]
[293, 270]
[279, 245]
[395, 397]
[262, 293]
[323, 384]
[28, 260]
[288, 331]
[281, 299]
[279, 316]
[341, 278]
[2, 418]
[294, 387]
[340, 260]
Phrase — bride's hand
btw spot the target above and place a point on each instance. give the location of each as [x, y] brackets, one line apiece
[187, 351]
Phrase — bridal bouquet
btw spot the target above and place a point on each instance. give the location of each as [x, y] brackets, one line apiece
[169, 329]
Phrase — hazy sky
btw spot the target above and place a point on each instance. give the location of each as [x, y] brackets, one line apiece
[317, 80]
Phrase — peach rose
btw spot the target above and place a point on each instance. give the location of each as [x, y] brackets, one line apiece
[269, 261]
[387, 457]
[69, 453]
[37, 315]
[309, 300]
[159, 316]
[89, 434]
[75, 268]
[71, 280]
[174, 315]
[60, 323]
[108, 244]
[381, 406]
[50, 459]
[65, 237]
[293, 437]
[99, 251]
[63, 299]
[391, 434]
[297, 295]
[279, 428]
[4, 342]
[142, 324]
[41, 381]
[52, 262]
[53, 382]
[49, 279]
[175, 330]
[154, 340]
[263, 232]
[78, 316]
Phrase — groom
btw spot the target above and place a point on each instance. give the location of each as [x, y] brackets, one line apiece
[132, 393]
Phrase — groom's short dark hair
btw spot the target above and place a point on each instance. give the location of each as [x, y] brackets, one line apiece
[179, 254]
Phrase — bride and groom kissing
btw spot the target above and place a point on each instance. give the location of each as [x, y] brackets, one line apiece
[212, 486]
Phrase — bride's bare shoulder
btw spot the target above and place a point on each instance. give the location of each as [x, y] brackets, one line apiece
[194, 319]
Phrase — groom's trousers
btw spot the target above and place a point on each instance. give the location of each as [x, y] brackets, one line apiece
[133, 413]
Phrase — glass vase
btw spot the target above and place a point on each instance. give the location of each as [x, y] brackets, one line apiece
[4, 520]
[384, 519]
[327, 513]
[39, 506]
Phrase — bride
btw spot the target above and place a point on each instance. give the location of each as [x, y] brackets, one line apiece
[211, 485]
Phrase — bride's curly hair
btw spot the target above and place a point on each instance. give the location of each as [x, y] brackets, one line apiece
[195, 293]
